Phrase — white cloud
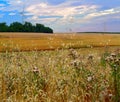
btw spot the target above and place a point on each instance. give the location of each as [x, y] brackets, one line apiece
[104, 12]
[46, 21]
[2, 8]
[15, 2]
[1, 5]
[65, 13]
[12, 14]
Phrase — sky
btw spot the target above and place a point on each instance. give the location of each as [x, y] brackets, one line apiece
[64, 15]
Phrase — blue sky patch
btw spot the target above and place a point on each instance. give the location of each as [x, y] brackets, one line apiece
[62, 15]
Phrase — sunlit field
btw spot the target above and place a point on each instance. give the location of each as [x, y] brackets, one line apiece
[34, 41]
[59, 67]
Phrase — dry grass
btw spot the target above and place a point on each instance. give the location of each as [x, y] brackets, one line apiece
[65, 75]
[31, 41]
[56, 76]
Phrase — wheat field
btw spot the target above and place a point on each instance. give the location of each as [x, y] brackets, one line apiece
[34, 41]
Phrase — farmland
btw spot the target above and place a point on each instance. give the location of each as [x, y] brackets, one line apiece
[72, 67]
[31, 41]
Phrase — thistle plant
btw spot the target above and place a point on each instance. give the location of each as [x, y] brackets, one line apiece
[59, 76]
[114, 61]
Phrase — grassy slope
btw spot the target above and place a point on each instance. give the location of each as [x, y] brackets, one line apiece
[31, 41]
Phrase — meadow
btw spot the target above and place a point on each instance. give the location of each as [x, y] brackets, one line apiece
[59, 67]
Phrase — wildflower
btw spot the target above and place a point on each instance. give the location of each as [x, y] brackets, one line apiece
[109, 59]
[35, 70]
[90, 57]
[113, 59]
[117, 61]
[110, 95]
[73, 54]
[89, 78]
[75, 63]
[113, 54]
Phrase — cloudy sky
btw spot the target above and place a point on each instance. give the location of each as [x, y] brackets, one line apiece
[64, 15]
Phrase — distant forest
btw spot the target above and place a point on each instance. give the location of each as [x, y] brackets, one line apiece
[26, 27]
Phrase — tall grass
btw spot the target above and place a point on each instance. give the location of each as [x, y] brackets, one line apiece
[114, 61]
[57, 76]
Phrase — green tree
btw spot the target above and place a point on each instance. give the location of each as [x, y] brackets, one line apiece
[3, 27]
[16, 27]
[48, 30]
[39, 28]
[28, 27]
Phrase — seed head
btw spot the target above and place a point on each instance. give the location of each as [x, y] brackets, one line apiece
[35, 70]
[109, 59]
[89, 78]
[113, 54]
[73, 54]
[117, 61]
[90, 57]
[75, 63]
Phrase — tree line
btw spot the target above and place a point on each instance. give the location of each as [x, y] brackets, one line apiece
[26, 27]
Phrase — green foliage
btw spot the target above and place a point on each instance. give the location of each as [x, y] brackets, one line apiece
[26, 27]
[16, 27]
[39, 27]
[103, 59]
[3, 27]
